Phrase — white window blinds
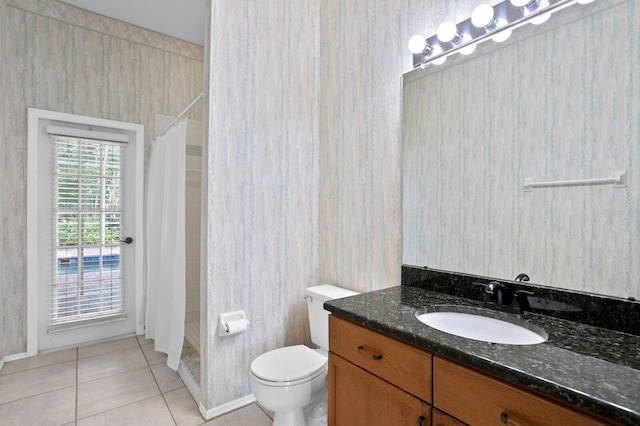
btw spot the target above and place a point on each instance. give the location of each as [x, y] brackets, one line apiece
[86, 284]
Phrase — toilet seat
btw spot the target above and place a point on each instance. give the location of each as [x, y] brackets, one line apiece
[288, 365]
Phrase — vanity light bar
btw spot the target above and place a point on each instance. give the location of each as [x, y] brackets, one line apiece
[507, 16]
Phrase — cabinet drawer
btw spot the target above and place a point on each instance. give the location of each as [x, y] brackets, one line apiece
[400, 364]
[481, 400]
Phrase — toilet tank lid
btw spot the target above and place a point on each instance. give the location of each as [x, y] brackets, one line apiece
[329, 292]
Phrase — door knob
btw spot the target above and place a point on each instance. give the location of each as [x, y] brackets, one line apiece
[127, 240]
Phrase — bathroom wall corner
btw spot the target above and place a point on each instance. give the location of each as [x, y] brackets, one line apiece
[205, 318]
[3, 101]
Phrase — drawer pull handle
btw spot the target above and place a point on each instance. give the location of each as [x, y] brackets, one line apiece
[509, 421]
[421, 420]
[374, 356]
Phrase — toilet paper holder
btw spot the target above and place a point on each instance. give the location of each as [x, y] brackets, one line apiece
[232, 323]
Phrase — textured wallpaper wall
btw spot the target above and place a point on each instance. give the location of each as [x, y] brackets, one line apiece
[65, 59]
[560, 104]
[363, 57]
[262, 185]
[304, 163]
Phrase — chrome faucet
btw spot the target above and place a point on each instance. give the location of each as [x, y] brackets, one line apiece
[494, 292]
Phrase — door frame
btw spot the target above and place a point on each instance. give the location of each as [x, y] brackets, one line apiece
[34, 117]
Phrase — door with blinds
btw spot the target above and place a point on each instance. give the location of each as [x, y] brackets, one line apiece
[87, 236]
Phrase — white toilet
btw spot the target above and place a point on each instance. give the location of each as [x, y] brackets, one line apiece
[292, 381]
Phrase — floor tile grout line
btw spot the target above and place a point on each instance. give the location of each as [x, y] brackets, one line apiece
[164, 399]
[36, 368]
[56, 387]
[118, 407]
[148, 368]
[36, 395]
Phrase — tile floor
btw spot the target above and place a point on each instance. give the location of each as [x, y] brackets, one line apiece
[122, 382]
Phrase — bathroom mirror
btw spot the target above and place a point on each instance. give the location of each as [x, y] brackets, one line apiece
[559, 101]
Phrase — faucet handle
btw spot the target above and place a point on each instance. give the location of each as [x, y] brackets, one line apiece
[520, 302]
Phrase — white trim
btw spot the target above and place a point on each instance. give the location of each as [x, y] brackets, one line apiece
[87, 134]
[192, 386]
[12, 358]
[226, 408]
[34, 115]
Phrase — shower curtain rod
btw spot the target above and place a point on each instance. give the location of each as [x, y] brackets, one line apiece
[179, 116]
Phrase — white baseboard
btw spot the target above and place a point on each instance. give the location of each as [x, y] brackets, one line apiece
[11, 358]
[226, 408]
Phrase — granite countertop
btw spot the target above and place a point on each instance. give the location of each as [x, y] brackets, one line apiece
[590, 367]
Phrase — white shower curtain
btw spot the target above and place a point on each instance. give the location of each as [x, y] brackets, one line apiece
[165, 243]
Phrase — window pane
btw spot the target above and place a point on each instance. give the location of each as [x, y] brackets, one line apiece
[90, 193]
[111, 262]
[112, 229]
[90, 297]
[65, 298]
[68, 157]
[111, 155]
[112, 194]
[111, 292]
[90, 159]
[68, 192]
[90, 229]
[67, 224]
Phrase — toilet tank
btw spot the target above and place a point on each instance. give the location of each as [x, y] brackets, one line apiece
[318, 316]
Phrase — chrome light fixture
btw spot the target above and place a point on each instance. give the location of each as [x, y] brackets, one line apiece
[486, 23]
[484, 16]
[448, 33]
[531, 6]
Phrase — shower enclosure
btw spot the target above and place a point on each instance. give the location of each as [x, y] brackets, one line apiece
[189, 369]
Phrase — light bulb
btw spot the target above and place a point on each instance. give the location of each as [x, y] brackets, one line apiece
[501, 36]
[531, 6]
[436, 51]
[521, 3]
[541, 19]
[483, 16]
[447, 32]
[417, 44]
[468, 50]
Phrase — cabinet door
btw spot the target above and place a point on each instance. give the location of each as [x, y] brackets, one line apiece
[357, 397]
[442, 419]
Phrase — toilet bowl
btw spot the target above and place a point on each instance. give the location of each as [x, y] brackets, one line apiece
[292, 381]
[286, 380]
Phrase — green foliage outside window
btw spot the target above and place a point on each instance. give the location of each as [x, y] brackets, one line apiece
[88, 193]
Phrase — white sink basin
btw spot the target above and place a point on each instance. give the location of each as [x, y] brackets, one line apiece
[482, 324]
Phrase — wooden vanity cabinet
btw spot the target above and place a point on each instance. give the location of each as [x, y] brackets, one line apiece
[376, 380]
